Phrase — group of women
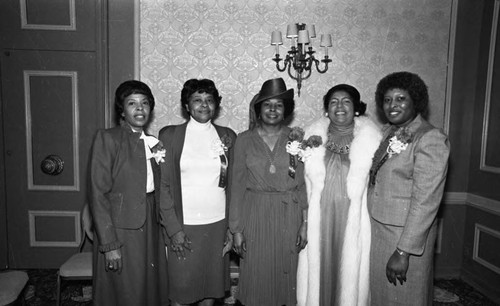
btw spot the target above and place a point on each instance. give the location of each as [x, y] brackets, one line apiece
[343, 213]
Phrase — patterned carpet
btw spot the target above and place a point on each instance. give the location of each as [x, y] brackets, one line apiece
[42, 285]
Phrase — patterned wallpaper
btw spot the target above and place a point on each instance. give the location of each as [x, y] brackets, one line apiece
[228, 41]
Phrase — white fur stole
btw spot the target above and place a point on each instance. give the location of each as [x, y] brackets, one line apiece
[354, 278]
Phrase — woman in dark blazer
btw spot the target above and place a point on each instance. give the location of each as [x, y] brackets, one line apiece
[406, 187]
[129, 263]
[195, 186]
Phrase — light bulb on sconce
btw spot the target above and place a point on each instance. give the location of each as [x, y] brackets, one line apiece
[300, 57]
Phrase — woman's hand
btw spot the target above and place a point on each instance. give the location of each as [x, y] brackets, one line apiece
[114, 261]
[179, 243]
[397, 266]
[302, 237]
[239, 244]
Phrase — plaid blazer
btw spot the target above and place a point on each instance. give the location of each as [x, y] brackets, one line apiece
[409, 186]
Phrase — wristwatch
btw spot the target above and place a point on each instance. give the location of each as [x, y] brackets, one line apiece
[401, 253]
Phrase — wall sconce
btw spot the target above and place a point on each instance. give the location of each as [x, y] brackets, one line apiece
[301, 54]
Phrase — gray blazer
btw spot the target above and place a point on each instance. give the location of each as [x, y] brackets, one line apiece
[117, 184]
[409, 186]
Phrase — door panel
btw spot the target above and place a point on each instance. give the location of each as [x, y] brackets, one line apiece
[48, 24]
[51, 108]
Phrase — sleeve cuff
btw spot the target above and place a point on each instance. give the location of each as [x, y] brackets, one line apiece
[110, 246]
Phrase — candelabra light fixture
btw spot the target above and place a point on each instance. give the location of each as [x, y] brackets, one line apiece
[300, 57]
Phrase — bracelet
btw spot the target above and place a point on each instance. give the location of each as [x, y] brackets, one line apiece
[304, 221]
[401, 253]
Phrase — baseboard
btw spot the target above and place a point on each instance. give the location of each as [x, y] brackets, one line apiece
[480, 285]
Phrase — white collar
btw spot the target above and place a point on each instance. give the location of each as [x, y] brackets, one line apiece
[150, 141]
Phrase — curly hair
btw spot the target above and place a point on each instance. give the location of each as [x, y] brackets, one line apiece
[128, 88]
[202, 86]
[359, 106]
[408, 81]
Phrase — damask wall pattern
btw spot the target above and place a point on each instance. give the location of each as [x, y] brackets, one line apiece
[228, 41]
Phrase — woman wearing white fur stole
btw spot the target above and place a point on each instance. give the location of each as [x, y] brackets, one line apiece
[334, 266]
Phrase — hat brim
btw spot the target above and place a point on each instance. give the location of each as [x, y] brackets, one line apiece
[285, 96]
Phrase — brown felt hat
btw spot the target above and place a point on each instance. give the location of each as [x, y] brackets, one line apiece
[271, 89]
[274, 89]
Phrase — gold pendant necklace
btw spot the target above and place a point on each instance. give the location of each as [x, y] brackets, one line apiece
[269, 152]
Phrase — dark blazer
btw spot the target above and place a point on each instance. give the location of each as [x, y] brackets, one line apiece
[117, 183]
[409, 186]
[171, 196]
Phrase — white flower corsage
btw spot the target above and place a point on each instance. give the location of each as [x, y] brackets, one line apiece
[294, 147]
[159, 155]
[399, 142]
[218, 147]
[221, 145]
[305, 154]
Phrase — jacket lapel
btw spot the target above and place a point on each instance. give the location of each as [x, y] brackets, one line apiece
[381, 153]
[223, 179]
[178, 144]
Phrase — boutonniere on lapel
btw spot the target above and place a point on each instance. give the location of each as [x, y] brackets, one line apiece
[312, 142]
[154, 148]
[294, 148]
[399, 142]
[158, 153]
[220, 146]
[300, 149]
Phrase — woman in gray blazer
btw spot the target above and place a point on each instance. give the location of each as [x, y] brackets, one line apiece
[129, 263]
[406, 186]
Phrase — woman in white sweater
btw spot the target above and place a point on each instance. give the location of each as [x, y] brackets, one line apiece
[195, 184]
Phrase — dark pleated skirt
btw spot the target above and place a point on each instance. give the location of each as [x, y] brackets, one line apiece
[204, 273]
[143, 280]
[268, 271]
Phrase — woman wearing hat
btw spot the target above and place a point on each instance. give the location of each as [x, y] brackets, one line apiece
[268, 202]
[333, 269]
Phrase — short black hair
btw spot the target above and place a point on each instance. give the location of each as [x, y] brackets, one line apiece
[408, 81]
[128, 88]
[202, 86]
[359, 106]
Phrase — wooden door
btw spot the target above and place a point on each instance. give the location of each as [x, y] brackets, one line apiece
[53, 102]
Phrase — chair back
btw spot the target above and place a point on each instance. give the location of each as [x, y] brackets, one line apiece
[86, 225]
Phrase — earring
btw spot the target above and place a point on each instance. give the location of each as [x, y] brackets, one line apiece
[356, 113]
[326, 114]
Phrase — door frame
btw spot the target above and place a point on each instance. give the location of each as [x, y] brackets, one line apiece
[118, 55]
[4, 245]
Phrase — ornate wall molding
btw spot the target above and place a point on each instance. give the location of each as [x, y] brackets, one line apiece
[462, 198]
[75, 132]
[37, 226]
[480, 231]
[26, 25]
[488, 105]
